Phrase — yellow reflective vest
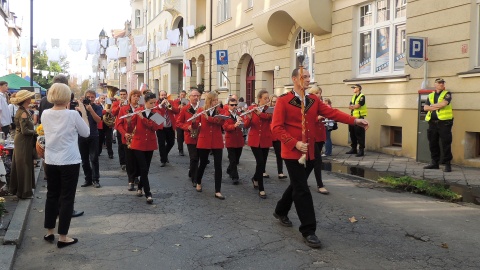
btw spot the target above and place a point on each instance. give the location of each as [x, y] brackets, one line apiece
[362, 111]
[445, 113]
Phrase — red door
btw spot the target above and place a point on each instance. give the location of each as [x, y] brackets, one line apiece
[250, 82]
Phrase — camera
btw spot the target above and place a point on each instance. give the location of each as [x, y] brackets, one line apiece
[86, 101]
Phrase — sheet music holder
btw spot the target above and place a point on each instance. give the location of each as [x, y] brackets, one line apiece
[141, 101]
[157, 118]
[269, 110]
[242, 105]
[184, 101]
[108, 101]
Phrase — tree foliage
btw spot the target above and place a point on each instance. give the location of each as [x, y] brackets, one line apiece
[40, 62]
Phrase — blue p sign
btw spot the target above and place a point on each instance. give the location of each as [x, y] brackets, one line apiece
[222, 57]
[416, 48]
[416, 51]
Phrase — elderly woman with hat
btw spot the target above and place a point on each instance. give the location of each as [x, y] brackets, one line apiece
[22, 176]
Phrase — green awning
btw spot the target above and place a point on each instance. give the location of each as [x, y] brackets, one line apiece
[15, 82]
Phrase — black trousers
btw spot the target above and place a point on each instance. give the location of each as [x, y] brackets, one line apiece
[6, 130]
[166, 140]
[133, 170]
[439, 134]
[121, 149]
[234, 158]
[89, 152]
[105, 136]
[180, 139]
[193, 154]
[299, 193]
[261, 155]
[277, 146]
[357, 136]
[217, 163]
[317, 167]
[61, 186]
[144, 158]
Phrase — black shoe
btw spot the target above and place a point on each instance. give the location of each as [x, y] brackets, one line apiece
[110, 156]
[96, 184]
[448, 167]
[432, 166]
[77, 213]
[284, 220]
[131, 187]
[61, 244]
[149, 200]
[235, 181]
[124, 167]
[352, 151]
[360, 153]
[262, 196]
[208, 161]
[180, 152]
[163, 164]
[312, 241]
[86, 184]
[254, 186]
[49, 238]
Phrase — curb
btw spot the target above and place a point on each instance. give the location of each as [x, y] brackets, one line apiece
[14, 235]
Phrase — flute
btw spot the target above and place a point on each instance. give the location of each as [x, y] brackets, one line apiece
[259, 108]
[133, 113]
[204, 112]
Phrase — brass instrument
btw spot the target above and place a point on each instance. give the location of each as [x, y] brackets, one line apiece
[165, 104]
[194, 131]
[108, 117]
[129, 140]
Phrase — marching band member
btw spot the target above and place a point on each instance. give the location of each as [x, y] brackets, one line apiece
[180, 138]
[277, 146]
[190, 129]
[233, 138]
[210, 139]
[142, 139]
[298, 138]
[116, 105]
[122, 125]
[166, 133]
[320, 138]
[259, 139]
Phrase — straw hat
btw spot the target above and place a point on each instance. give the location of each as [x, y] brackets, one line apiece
[21, 96]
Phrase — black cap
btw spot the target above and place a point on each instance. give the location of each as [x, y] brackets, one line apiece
[357, 85]
[439, 80]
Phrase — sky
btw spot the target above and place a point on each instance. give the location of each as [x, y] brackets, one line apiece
[69, 19]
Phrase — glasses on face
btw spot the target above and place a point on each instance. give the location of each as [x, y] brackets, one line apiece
[194, 95]
[233, 105]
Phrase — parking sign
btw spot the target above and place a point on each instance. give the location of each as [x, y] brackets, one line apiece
[416, 51]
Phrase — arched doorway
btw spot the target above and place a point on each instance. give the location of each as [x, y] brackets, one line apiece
[250, 83]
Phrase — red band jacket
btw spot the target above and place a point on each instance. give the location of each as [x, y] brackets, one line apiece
[171, 113]
[210, 134]
[121, 125]
[287, 122]
[233, 135]
[144, 138]
[260, 134]
[187, 112]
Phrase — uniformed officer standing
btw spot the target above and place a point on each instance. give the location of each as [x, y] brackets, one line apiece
[440, 122]
[358, 110]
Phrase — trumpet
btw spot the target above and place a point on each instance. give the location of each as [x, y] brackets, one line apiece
[129, 140]
[259, 108]
[123, 102]
[165, 104]
[204, 112]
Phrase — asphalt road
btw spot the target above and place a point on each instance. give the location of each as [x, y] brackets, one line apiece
[185, 229]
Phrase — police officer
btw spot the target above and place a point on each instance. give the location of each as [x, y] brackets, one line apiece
[440, 122]
[358, 110]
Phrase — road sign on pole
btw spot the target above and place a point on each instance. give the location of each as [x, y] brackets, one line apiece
[416, 51]
[222, 60]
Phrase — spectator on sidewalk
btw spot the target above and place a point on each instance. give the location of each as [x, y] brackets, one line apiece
[358, 109]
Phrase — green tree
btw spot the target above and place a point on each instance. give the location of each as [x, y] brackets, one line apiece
[40, 62]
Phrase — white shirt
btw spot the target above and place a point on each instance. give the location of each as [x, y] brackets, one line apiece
[5, 115]
[62, 128]
[12, 108]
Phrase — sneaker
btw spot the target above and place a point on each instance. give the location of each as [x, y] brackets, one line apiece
[86, 184]
[323, 155]
[96, 184]
[149, 200]
[432, 166]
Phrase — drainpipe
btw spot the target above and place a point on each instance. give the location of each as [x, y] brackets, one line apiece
[210, 46]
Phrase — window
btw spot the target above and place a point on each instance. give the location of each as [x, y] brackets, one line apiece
[396, 136]
[137, 18]
[223, 10]
[222, 80]
[381, 37]
[305, 43]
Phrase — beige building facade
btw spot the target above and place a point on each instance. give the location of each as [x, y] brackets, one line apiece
[348, 42]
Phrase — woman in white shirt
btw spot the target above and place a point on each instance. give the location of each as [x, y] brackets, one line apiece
[62, 160]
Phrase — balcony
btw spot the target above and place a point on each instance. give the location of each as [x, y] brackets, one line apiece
[273, 20]
[138, 68]
[174, 55]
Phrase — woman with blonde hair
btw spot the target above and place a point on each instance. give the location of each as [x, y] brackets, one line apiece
[320, 137]
[210, 140]
[62, 128]
[259, 138]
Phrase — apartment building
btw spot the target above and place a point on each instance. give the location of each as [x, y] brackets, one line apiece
[11, 60]
[348, 42]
